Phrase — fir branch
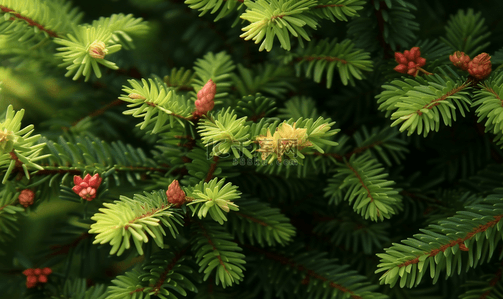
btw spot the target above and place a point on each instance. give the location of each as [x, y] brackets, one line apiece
[440, 246]
[156, 103]
[271, 18]
[421, 104]
[213, 197]
[221, 255]
[490, 102]
[127, 218]
[330, 55]
[490, 286]
[28, 20]
[261, 223]
[362, 180]
[165, 272]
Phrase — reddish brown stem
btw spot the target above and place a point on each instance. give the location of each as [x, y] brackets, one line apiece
[212, 169]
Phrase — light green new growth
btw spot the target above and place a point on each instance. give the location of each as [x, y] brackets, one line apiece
[139, 217]
[17, 148]
[213, 197]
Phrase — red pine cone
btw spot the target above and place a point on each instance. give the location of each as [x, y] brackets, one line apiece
[26, 197]
[86, 188]
[34, 276]
[176, 195]
[409, 61]
[480, 67]
[205, 98]
[460, 60]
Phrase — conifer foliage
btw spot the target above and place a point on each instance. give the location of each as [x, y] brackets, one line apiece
[251, 149]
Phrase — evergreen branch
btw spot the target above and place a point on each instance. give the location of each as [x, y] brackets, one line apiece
[271, 18]
[330, 55]
[17, 148]
[221, 255]
[362, 181]
[489, 286]
[157, 104]
[441, 246]
[268, 79]
[200, 165]
[127, 217]
[122, 27]
[354, 234]
[94, 155]
[22, 20]
[83, 50]
[337, 9]
[166, 271]
[127, 286]
[28, 20]
[225, 132]
[78, 289]
[204, 6]
[261, 223]
[255, 107]
[420, 104]
[9, 212]
[381, 23]
[466, 31]
[381, 143]
[213, 197]
[391, 21]
[217, 67]
[180, 79]
[490, 102]
[299, 106]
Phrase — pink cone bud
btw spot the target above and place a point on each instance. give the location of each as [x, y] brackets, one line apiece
[26, 198]
[410, 61]
[205, 98]
[98, 50]
[87, 188]
[480, 67]
[175, 194]
[460, 60]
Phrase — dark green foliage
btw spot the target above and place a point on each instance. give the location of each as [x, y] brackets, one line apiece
[296, 173]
